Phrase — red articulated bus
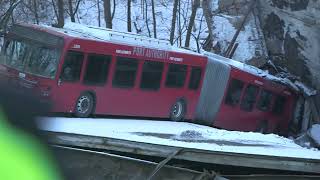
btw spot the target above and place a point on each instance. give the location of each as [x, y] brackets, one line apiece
[89, 70]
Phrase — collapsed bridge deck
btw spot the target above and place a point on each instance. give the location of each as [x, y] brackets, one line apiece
[183, 141]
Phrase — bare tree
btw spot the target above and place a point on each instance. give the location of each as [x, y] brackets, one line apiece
[107, 13]
[195, 6]
[35, 10]
[59, 13]
[73, 11]
[147, 23]
[207, 12]
[154, 19]
[179, 23]
[142, 8]
[4, 19]
[129, 16]
[114, 9]
[31, 6]
[99, 13]
[197, 37]
[173, 22]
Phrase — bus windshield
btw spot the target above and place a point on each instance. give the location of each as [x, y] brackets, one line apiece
[31, 58]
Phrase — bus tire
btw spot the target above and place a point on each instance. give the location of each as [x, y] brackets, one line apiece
[84, 105]
[263, 127]
[178, 110]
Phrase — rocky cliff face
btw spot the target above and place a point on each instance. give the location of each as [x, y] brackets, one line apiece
[287, 32]
[292, 33]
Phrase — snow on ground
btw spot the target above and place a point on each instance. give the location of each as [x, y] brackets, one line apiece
[180, 134]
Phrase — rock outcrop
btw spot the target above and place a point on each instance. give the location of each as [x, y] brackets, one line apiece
[287, 32]
[292, 33]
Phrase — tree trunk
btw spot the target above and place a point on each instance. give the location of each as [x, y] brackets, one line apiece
[179, 24]
[35, 9]
[207, 12]
[195, 6]
[129, 16]
[147, 24]
[71, 11]
[60, 14]
[114, 9]
[6, 17]
[107, 13]
[154, 20]
[99, 13]
[173, 22]
[142, 8]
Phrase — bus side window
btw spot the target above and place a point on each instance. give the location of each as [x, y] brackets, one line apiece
[176, 76]
[125, 74]
[151, 75]
[264, 100]
[97, 69]
[249, 98]
[234, 92]
[72, 66]
[279, 105]
[195, 78]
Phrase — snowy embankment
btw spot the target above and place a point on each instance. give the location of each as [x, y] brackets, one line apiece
[180, 134]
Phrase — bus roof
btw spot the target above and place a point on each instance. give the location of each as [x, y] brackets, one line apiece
[108, 35]
[297, 87]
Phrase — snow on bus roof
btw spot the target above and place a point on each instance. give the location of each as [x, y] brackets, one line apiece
[109, 35]
[242, 66]
[296, 86]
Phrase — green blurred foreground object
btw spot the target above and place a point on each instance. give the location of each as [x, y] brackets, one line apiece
[22, 156]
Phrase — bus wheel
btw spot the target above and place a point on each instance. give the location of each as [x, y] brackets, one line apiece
[178, 110]
[85, 105]
[263, 127]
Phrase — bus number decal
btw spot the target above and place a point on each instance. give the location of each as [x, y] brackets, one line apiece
[118, 51]
[176, 59]
[258, 82]
[287, 93]
[76, 46]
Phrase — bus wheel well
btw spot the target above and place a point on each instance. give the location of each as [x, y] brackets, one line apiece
[85, 104]
[178, 109]
[93, 94]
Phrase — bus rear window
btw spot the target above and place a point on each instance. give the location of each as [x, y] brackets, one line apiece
[264, 100]
[125, 73]
[249, 98]
[176, 76]
[279, 105]
[234, 92]
[97, 69]
[151, 75]
[195, 78]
